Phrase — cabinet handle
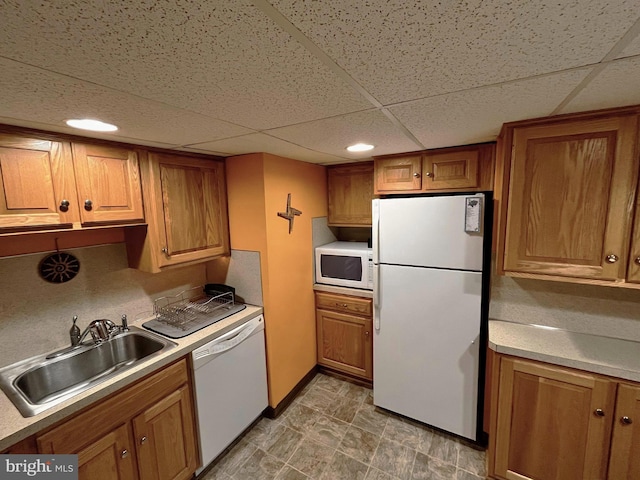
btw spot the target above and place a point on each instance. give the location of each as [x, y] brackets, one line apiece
[343, 305]
[637, 260]
[64, 205]
[626, 420]
[124, 453]
[88, 205]
[429, 174]
[599, 412]
[143, 440]
[417, 175]
[612, 258]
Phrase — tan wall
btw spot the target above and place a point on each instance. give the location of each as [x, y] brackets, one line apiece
[258, 185]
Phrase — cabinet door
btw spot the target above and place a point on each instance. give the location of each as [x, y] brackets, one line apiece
[110, 458]
[191, 202]
[344, 343]
[350, 191]
[552, 423]
[633, 263]
[398, 173]
[570, 190]
[625, 444]
[166, 439]
[37, 186]
[453, 170]
[108, 181]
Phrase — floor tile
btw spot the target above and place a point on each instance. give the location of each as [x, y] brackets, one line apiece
[343, 409]
[427, 468]
[444, 448]
[462, 475]
[300, 417]
[359, 444]
[370, 420]
[232, 461]
[393, 458]
[472, 460]
[343, 467]
[284, 444]
[354, 392]
[289, 473]
[262, 433]
[328, 430]
[375, 474]
[331, 384]
[402, 432]
[260, 466]
[318, 398]
[311, 457]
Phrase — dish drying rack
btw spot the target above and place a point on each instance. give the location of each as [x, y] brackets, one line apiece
[191, 307]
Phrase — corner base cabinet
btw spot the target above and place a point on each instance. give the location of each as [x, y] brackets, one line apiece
[556, 423]
[146, 431]
[344, 334]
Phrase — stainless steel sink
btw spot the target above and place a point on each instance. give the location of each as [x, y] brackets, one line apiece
[39, 383]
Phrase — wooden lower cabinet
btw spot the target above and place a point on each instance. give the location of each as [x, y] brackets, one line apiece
[146, 431]
[555, 423]
[344, 333]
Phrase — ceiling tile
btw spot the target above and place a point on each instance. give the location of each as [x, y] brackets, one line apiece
[615, 86]
[402, 50]
[477, 115]
[260, 142]
[29, 93]
[333, 135]
[225, 59]
[632, 49]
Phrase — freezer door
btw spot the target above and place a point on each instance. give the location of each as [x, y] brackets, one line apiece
[426, 350]
[427, 231]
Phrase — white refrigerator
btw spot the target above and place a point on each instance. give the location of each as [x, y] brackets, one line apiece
[431, 260]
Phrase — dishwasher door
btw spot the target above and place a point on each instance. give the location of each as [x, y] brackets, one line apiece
[231, 386]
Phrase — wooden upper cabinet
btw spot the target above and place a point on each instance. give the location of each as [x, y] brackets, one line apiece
[398, 173]
[571, 190]
[108, 180]
[457, 169]
[350, 191]
[186, 207]
[37, 186]
[547, 423]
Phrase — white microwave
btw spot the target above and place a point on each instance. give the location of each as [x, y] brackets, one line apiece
[345, 264]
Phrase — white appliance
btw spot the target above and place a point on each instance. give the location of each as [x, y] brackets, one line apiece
[345, 264]
[431, 263]
[231, 386]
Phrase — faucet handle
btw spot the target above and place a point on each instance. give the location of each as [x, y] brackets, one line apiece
[125, 324]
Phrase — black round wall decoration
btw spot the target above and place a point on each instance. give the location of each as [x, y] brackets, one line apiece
[59, 267]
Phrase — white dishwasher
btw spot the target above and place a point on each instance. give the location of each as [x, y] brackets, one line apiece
[231, 386]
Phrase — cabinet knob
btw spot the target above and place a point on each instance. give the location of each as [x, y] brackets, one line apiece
[143, 440]
[124, 454]
[165, 250]
[366, 333]
[88, 204]
[611, 258]
[429, 174]
[599, 412]
[637, 260]
[416, 175]
[626, 420]
[64, 205]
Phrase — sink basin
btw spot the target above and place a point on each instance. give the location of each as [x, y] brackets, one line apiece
[39, 383]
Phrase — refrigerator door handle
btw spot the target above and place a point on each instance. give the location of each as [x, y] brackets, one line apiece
[375, 212]
[376, 296]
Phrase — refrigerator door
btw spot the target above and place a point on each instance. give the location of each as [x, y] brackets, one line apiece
[426, 231]
[426, 350]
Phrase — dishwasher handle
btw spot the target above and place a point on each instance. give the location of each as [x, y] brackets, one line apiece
[228, 340]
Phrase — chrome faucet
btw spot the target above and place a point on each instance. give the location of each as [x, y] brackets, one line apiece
[101, 330]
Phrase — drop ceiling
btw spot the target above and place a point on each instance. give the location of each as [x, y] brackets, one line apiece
[306, 78]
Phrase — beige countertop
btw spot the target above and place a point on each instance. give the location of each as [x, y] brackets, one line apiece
[14, 427]
[355, 292]
[605, 355]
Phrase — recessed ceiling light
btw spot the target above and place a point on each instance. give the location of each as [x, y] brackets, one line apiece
[94, 125]
[360, 147]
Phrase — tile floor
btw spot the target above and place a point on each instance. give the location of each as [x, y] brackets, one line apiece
[332, 431]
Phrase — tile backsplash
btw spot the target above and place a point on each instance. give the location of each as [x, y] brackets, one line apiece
[35, 315]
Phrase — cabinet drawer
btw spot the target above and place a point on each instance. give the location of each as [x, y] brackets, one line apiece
[344, 303]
